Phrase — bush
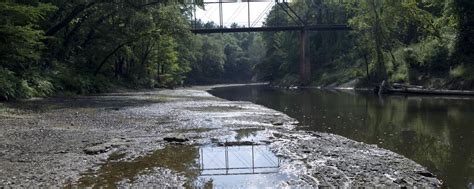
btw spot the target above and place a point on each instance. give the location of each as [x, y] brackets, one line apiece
[457, 72]
[8, 88]
[289, 80]
[167, 80]
[462, 72]
[12, 87]
[432, 57]
[83, 83]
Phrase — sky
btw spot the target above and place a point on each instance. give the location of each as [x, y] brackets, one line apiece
[236, 12]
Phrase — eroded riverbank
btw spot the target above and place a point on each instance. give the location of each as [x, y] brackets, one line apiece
[183, 138]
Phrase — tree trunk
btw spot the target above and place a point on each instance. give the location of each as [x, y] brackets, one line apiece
[107, 58]
[367, 66]
[381, 71]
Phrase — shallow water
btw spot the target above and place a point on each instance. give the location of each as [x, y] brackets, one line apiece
[236, 161]
[253, 166]
[436, 132]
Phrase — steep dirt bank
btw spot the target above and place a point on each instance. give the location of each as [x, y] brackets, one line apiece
[135, 139]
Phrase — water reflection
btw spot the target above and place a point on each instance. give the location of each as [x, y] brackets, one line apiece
[253, 166]
[435, 132]
[239, 166]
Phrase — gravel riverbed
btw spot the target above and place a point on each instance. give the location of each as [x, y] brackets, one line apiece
[135, 139]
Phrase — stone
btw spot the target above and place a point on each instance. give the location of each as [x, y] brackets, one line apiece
[178, 139]
[98, 149]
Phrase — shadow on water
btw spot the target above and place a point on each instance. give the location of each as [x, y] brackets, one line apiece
[240, 163]
[436, 132]
[107, 102]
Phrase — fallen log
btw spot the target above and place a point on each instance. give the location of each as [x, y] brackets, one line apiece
[430, 91]
[404, 86]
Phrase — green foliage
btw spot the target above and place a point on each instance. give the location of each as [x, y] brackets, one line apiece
[458, 72]
[464, 10]
[288, 80]
[417, 42]
[328, 50]
[21, 49]
[8, 87]
[13, 87]
[83, 83]
[415, 38]
[220, 58]
[93, 46]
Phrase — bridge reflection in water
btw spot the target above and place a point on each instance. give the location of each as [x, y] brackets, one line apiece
[250, 166]
[237, 160]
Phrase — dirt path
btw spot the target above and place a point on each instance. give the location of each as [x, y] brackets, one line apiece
[155, 138]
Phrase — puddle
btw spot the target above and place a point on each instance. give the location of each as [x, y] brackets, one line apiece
[249, 134]
[243, 166]
[251, 166]
[232, 161]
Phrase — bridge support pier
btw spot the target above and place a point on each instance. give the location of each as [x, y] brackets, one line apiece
[305, 63]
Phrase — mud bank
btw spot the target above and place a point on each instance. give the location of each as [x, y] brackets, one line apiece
[182, 138]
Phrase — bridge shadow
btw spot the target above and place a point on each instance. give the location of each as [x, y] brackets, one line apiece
[105, 101]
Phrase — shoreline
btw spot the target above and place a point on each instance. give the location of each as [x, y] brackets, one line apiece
[82, 134]
[392, 91]
[396, 92]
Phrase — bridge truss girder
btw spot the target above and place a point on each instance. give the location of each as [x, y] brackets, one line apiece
[305, 63]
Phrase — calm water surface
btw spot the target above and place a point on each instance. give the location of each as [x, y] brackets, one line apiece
[436, 132]
[208, 166]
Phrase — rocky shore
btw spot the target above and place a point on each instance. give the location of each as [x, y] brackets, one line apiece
[134, 139]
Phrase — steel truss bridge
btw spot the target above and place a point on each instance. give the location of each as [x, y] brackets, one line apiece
[299, 25]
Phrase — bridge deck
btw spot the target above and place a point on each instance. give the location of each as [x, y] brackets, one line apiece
[319, 27]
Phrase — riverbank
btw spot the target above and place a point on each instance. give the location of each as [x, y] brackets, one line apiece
[121, 139]
[396, 89]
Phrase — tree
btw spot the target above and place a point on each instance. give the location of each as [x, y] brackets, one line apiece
[21, 48]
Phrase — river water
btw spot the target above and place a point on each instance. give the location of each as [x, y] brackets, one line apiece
[436, 132]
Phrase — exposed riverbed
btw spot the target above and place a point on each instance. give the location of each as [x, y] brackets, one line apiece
[182, 138]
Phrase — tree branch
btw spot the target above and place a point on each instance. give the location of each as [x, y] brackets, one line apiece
[74, 13]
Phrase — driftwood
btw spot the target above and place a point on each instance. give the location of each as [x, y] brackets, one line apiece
[404, 86]
[383, 88]
[398, 88]
[430, 91]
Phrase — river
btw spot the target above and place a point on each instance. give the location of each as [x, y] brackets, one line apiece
[436, 132]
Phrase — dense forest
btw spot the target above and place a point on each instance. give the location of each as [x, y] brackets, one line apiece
[418, 42]
[53, 47]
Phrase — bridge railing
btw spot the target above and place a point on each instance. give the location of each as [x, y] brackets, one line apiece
[218, 16]
[252, 23]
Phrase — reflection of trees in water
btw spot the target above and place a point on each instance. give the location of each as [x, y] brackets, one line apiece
[246, 133]
[435, 132]
[424, 129]
[432, 132]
